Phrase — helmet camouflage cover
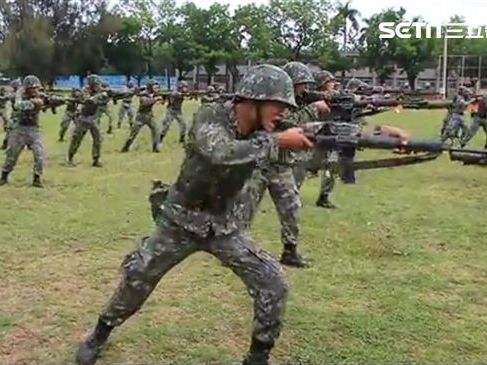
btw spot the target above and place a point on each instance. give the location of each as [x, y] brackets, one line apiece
[464, 90]
[267, 83]
[355, 84]
[211, 89]
[323, 77]
[93, 79]
[299, 73]
[31, 81]
[15, 83]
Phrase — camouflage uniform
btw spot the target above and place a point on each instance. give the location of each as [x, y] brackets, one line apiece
[15, 85]
[26, 132]
[126, 109]
[200, 214]
[4, 99]
[69, 114]
[145, 117]
[454, 121]
[91, 99]
[279, 179]
[104, 109]
[479, 120]
[211, 97]
[174, 111]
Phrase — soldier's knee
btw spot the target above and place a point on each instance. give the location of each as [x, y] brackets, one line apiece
[135, 268]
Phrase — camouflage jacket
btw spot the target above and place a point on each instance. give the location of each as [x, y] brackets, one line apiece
[210, 98]
[218, 162]
[175, 101]
[91, 101]
[146, 102]
[27, 111]
[4, 99]
[459, 104]
[127, 100]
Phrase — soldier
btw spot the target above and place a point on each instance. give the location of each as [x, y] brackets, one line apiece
[329, 159]
[91, 99]
[454, 122]
[145, 116]
[355, 84]
[15, 85]
[104, 109]
[126, 109]
[211, 96]
[278, 177]
[174, 111]
[26, 130]
[4, 98]
[226, 142]
[479, 120]
[69, 113]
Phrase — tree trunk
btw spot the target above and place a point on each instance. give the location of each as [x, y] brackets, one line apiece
[412, 81]
[197, 77]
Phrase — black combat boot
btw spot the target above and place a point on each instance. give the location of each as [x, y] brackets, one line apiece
[4, 178]
[324, 202]
[290, 257]
[37, 182]
[96, 162]
[125, 147]
[155, 148]
[89, 350]
[182, 139]
[258, 354]
[110, 130]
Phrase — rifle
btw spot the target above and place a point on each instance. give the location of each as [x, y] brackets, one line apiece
[51, 101]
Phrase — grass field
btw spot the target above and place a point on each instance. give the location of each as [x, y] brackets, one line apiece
[399, 271]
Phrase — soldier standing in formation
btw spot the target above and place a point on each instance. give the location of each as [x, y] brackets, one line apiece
[174, 111]
[26, 132]
[70, 113]
[454, 122]
[104, 108]
[226, 142]
[127, 109]
[479, 120]
[4, 99]
[145, 117]
[91, 99]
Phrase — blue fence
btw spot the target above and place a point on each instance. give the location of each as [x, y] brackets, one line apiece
[115, 81]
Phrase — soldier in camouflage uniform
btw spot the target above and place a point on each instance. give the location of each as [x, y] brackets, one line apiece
[145, 117]
[104, 108]
[327, 159]
[15, 85]
[278, 177]
[126, 109]
[454, 122]
[91, 99]
[226, 142]
[174, 111]
[69, 113]
[26, 130]
[4, 99]
[479, 120]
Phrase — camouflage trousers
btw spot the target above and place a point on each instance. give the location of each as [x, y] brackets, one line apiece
[6, 126]
[19, 138]
[166, 123]
[170, 244]
[105, 110]
[476, 124]
[279, 180]
[68, 117]
[126, 110]
[83, 125]
[304, 160]
[452, 126]
[143, 119]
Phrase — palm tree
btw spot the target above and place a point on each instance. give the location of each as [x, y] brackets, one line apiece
[347, 15]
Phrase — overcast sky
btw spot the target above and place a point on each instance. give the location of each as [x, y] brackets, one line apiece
[433, 11]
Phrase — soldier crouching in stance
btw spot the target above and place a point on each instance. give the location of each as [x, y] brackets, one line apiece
[226, 143]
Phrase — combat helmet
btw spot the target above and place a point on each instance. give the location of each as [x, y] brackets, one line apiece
[267, 83]
[299, 73]
[221, 89]
[15, 84]
[31, 81]
[463, 90]
[93, 79]
[355, 84]
[211, 89]
[182, 84]
[323, 77]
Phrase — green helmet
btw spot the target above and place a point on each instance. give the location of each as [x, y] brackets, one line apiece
[267, 83]
[299, 73]
[323, 77]
[211, 89]
[31, 81]
[221, 89]
[355, 84]
[182, 84]
[150, 82]
[93, 79]
[463, 90]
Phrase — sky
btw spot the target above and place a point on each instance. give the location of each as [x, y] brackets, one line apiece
[433, 11]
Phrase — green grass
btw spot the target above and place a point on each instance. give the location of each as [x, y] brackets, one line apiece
[399, 271]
